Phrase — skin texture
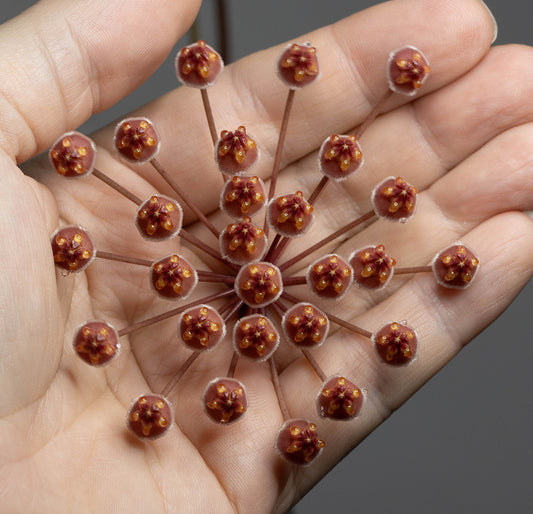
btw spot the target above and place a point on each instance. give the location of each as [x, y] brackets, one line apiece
[63, 443]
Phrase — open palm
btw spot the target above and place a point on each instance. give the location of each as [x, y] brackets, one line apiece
[464, 142]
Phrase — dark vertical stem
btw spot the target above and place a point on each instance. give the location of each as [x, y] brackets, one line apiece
[223, 29]
[195, 31]
[209, 115]
[279, 149]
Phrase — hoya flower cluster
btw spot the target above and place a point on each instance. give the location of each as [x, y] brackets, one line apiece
[255, 312]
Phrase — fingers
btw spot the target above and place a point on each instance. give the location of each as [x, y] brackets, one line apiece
[424, 140]
[448, 319]
[63, 61]
[495, 179]
[436, 132]
[445, 321]
[32, 334]
[352, 79]
[423, 146]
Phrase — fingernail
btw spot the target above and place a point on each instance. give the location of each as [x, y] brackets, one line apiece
[494, 22]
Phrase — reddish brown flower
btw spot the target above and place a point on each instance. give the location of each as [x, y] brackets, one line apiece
[72, 248]
[159, 218]
[225, 400]
[305, 325]
[150, 416]
[259, 284]
[396, 343]
[96, 342]
[243, 196]
[339, 399]
[298, 65]
[290, 215]
[243, 242]
[198, 65]
[201, 327]
[394, 199]
[136, 139]
[298, 441]
[73, 155]
[455, 267]
[173, 277]
[372, 268]
[330, 276]
[255, 337]
[236, 151]
[340, 156]
[407, 70]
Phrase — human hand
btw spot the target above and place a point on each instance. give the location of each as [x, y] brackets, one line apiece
[74, 411]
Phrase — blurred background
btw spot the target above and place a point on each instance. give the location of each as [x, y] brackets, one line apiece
[461, 444]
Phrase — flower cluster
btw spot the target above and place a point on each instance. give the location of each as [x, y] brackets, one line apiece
[256, 298]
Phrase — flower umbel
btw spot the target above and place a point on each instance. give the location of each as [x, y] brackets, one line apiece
[254, 290]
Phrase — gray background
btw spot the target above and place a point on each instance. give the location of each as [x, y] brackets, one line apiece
[468, 431]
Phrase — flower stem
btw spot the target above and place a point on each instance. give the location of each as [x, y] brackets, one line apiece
[360, 131]
[223, 35]
[373, 114]
[294, 281]
[331, 317]
[314, 364]
[279, 308]
[277, 387]
[233, 365]
[174, 312]
[209, 276]
[280, 248]
[117, 187]
[412, 269]
[179, 191]
[209, 115]
[326, 240]
[122, 258]
[318, 189]
[173, 382]
[193, 240]
[272, 249]
[279, 149]
[233, 310]
[349, 326]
